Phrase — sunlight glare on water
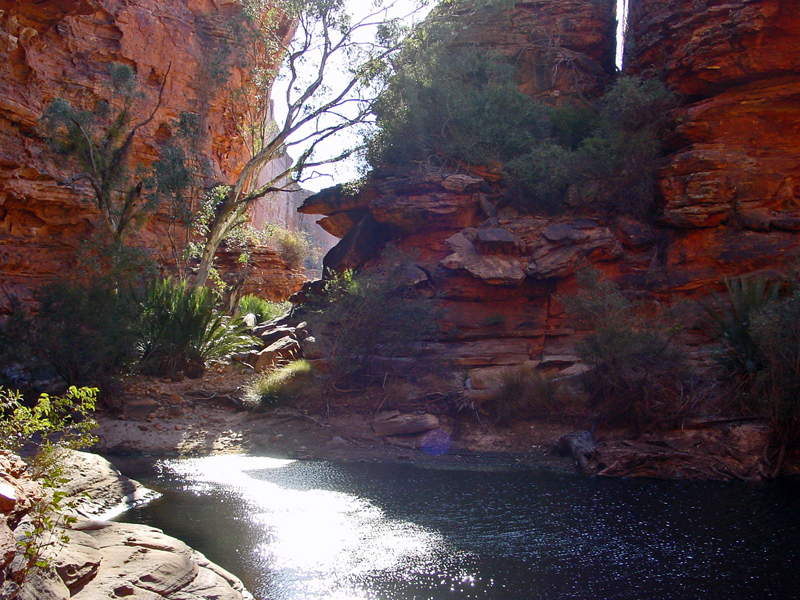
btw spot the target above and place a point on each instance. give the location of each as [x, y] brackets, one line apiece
[318, 543]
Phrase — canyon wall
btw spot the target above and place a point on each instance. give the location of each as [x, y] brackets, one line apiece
[728, 190]
[63, 48]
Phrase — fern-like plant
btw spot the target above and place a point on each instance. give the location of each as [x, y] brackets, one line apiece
[182, 329]
[731, 317]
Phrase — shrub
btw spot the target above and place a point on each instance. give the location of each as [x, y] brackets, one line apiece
[373, 323]
[279, 385]
[181, 329]
[730, 320]
[264, 310]
[449, 103]
[50, 425]
[86, 332]
[293, 246]
[624, 149]
[636, 373]
[775, 390]
[760, 358]
[525, 392]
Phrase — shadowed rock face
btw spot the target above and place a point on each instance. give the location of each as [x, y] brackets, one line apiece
[63, 48]
[730, 185]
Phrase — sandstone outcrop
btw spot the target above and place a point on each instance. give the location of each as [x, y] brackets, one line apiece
[729, 190]
[63, 49]
[101, 559]
[563, 49]
[734, 159]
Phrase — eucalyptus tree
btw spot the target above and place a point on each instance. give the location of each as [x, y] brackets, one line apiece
[334, 68]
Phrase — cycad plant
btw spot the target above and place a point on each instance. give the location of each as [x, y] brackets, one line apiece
[731, 320]
[182, 329]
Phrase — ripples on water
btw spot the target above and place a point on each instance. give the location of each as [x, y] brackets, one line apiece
[315, 530]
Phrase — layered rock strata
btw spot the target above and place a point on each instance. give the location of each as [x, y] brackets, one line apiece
[734, 161]
[730, 197]
[61, 48]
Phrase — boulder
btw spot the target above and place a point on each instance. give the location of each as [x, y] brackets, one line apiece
[270, 334]
[8, 546]
[8, 497]
[492, 269]
[77, 562]
[496, 240]
[97, 486]
[283, 349]
[405, 424]
[140, 408]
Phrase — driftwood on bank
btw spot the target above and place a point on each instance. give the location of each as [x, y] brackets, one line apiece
[580, 445]
[728, 450]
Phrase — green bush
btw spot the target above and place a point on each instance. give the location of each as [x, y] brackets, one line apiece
[625, 147]
[293, 246]
[760, 358]
[278, 386]
[181, 329]
[775, 388]
[87, 332]
[450, 103]
[374, 323]
[730, 319]
[51, 424]
[637, 375]
[264, 310]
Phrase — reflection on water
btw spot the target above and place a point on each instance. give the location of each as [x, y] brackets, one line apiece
[303, 530]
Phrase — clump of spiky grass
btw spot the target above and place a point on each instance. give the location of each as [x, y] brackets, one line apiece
[277, 386]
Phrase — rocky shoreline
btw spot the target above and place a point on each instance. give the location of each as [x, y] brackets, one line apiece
[182, 419]
[92, 558]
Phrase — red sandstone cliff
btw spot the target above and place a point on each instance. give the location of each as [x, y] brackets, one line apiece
[730, 190]
[62, 48]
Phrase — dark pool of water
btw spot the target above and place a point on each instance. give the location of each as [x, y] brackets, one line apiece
[303, 530]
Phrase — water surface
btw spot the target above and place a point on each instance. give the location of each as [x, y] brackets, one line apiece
[302, 530]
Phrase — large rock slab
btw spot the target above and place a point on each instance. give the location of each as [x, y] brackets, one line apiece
[98, 486]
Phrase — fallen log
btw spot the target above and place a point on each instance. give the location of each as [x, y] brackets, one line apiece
[580, 445]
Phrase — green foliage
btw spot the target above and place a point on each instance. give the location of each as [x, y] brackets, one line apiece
[63, 421]
[760, 334]
[775, 390]
[448, 103]
[98, 142]
[624, 150]
[293, 246]
[49, 425]
[264, 310]
[279, 385]
[730, 320]
[87, 331]
[374, 323]
[181, 329]
[525, 392]
[453, 104]
[636, 373]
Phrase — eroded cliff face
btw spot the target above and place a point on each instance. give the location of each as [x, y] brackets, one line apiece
[732, 183]
[729, 191]
[562, 49]
[63, 48]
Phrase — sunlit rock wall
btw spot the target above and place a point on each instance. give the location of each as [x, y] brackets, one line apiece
[731, 187]
[63, 48]
[729, 205]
